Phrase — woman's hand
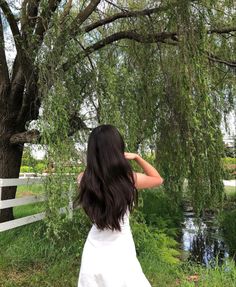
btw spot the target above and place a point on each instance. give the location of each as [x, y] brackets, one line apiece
[129, 155]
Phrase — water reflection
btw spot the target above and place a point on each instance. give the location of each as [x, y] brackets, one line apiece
[203, 240]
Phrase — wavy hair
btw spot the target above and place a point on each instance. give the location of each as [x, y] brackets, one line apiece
[107, 187]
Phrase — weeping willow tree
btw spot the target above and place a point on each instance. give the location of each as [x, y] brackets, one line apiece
[161, 72]
[173, 96]
[165, 95]
[53, 41]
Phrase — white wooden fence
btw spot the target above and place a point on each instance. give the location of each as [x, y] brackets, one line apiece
[4, 182]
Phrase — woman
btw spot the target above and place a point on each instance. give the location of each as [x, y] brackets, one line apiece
[108, 192]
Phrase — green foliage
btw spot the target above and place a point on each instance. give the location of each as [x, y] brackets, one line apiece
[30, 164]
[176, 110]
[59, 191]
[160, 213]
[229, 160]
[228, 224]
[230, 172]
[230, 151]
[59, 121]
[27, 158]
[224, 275]
[40, 167]
[229, 168]
[153, 243]
[190, 143]
[25, 169]
[37, 168]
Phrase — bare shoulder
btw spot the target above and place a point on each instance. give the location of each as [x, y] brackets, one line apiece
[79, 177]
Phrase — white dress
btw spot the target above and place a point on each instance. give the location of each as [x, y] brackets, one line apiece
[109, 259]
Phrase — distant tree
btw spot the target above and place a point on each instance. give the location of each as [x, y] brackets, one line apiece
[27, 158]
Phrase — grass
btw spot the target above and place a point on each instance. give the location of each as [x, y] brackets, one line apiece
[28, 258]
[230, 191]
[25, 210]
[29, 190]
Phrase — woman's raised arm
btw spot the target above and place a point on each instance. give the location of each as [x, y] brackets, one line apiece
[150, 178]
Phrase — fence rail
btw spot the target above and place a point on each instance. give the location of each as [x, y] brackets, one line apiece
[5, 182]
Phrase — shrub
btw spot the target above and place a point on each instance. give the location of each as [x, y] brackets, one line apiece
[229, 165]
[153, 244]
[229, 160]
[158, 211]
[228, 224]
[39, 167]
[26, 169]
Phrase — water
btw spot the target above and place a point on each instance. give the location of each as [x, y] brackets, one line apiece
[202, 240]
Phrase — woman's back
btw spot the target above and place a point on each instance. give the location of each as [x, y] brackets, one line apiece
[103, 237]
[107, 193]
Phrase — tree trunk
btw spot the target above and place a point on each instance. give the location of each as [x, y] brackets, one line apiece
[10, 160]
[10, 154]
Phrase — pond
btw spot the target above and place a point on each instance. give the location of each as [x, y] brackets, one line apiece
[202, 240]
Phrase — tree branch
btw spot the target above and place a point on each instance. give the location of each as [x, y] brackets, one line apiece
[76, 123]
[23, 19]
[225, 30]
[214, 58]
[130, 35]
[29, 14]
[13, 25]
[125, 14]
[66, 11]
[162, 37]
[44, 19]
[116, 6]
[4, 74]
[32, 136]
[83, 15]
[30, 102]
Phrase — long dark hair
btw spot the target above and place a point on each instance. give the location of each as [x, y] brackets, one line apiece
[107, 188]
